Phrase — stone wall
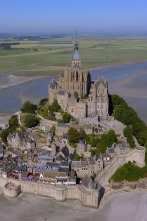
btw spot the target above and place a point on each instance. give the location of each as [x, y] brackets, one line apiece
[137, 155]
[87, 197]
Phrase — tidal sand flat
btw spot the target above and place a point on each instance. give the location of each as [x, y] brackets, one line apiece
[128, 81]
[122, 206]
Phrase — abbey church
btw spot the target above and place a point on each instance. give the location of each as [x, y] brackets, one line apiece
[77, 94]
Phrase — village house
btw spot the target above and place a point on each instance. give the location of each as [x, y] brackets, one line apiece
[63, 154]
[61, 129]
[43, 159]
[21, 141]
[81, 168]
[106, 158]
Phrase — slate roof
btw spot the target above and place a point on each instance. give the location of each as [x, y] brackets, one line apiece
[44, 157]
[60, 158]
[88, 183]
[65, 135]
[76, 55]
[65, 151]
[66, 170]
[110, 150]
[53, 85]
[52, 164]
[64, 164]
[61, 92]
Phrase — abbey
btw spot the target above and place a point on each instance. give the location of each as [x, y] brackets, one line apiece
[77, 94]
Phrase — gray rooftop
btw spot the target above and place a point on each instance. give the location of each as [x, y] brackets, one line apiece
[76, 55]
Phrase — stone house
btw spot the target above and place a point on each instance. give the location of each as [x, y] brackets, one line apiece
[106, 158]
[65, 139]
[81, 168]
[43, 159]
[63, 154]
[61, 129]
[54, 177]
[122, 148]
[21, 141]
[81, 148]
[95, 165]
[52, 166]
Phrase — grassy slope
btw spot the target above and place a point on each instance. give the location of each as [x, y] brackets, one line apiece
[94, 52]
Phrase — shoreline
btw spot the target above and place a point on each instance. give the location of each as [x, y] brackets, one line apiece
[112, 192]
[15, 80]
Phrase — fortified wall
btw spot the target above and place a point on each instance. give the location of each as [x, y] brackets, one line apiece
[137, 155]
[90, 198]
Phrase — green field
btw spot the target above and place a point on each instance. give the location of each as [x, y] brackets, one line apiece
[52, 55]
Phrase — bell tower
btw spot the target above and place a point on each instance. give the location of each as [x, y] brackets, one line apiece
[76, 62]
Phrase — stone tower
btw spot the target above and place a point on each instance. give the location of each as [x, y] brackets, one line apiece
[77, 94]
[75, 79]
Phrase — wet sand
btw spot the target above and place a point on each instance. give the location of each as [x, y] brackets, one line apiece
[125, 206]
[129, 81]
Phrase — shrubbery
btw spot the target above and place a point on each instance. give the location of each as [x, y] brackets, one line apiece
[43, 101]
[73, 135]
[30, 121]
[102, 143]
[76, 156]
[66, 118]
[128, 134]
[55, 107]
[125, 114]
[13, 124]
[29, 108]
[4, 134]
[129, 172]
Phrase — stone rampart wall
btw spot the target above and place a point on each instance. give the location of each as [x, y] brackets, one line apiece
[58, 192]
[137, 155]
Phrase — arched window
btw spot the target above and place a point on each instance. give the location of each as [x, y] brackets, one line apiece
[76, 75]
[82, 77]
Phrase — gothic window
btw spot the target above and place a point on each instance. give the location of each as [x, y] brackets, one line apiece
[98, 100]
[76, 75]
[98, 91]
[82, 77]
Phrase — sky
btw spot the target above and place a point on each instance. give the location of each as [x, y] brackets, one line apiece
[61, 16]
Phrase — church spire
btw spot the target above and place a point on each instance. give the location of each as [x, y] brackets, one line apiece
[76, 40]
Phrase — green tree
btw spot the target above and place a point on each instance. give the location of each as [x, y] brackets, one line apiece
[13, 120]
[29, 108]
[30, 121]
[53, 128]
[128, 134]
[55, 107]
[76, 156]
[125, 114]
[22, 128]
[127, 131]
[4, 134]
[82, 134]
[51, 116]
[43, 101]
[73, 135]
[66, 117]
